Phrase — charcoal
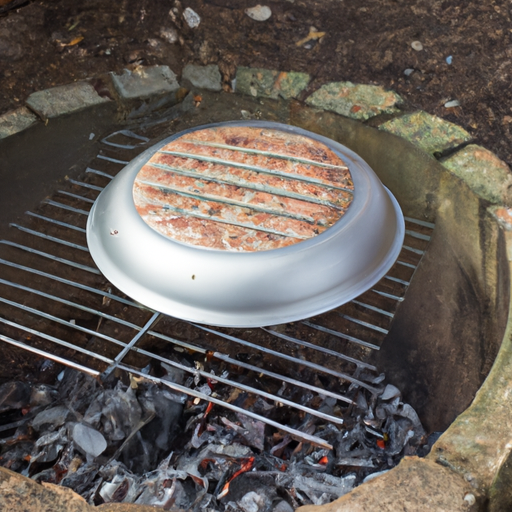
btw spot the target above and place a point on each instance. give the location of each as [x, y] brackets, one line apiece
[282, 506]
[122, 488]
[90, 441]
[14, 395]
[51, 418]
[48, 447]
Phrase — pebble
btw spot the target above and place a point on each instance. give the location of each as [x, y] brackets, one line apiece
[191, 17]
[408, 71]
[452, 103]
[416, 45]
[169, 34]
[470, 499]
[259, 12]
[449, 59]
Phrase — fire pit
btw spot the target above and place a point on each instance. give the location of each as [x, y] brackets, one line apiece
[324, 366]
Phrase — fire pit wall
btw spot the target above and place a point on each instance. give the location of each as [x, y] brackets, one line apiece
[447, 334]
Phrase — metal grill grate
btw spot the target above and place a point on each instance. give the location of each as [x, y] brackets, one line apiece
[56, 304]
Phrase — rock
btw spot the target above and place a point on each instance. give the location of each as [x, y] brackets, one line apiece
[145, 82]
[89, 440]
[191, 18]
[452, 103]
[484, 173]
[204, 77]
[430, 133]
[416, 45]
[357, 101]
[414, 485]
[65, 99]
[169, 34]
[56, 416]
[267, 83]
[259, 12]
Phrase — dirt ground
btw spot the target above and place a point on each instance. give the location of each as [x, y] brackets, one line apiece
[466, 50]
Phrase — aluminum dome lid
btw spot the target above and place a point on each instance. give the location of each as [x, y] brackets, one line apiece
[245, 224]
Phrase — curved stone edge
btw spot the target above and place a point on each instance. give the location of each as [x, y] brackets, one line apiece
[21, 494]
[469, 447]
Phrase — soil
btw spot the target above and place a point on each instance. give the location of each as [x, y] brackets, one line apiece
[465, 56]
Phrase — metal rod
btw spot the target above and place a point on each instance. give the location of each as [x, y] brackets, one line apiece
[263, 153]
[373, 308]
[420, 222]
[388, 295]
[397, 280]
[68, 282]
[302, 362]
[65, 207]
[154, 318]
[70, 303]
[230, 202]
[85, 185]
[415, 234]
[127, 134]
[58, 222]
[319, 348]
[405, 264]
[51, 257]
[53, 339]
[114, 160]
[76, 196]
[99, 173]
[254, 168]
[48, 237]
[48, 355]
[412, 249]
[341, 335]
[363, 323]
[247, 185]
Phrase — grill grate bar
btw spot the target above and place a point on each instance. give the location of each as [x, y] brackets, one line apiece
[66, 207]
[76, 196]
[362, 322]
[48, 237]
[373, 308]
[57, 222]
[68, 282]
[261, 152]
[260, 170]
[341, 335]
[357, 362]
[246, 185]
[314, 366]
[51, 257]
[69, 303]
[85, 185]
[113, 160]
[48, 355]
[99, 173]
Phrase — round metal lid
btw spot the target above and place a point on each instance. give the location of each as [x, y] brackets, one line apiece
[245, 224]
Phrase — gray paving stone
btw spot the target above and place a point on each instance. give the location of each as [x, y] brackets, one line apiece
[484, 173]
[358, 101]
[268, 83]
[145, 82]
[16, 121]
[64, 99]
[204, 77]
[430, 133]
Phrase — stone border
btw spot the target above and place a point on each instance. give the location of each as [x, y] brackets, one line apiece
[469, 464]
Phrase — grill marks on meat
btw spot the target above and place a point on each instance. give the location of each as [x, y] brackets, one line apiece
[242, 189]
